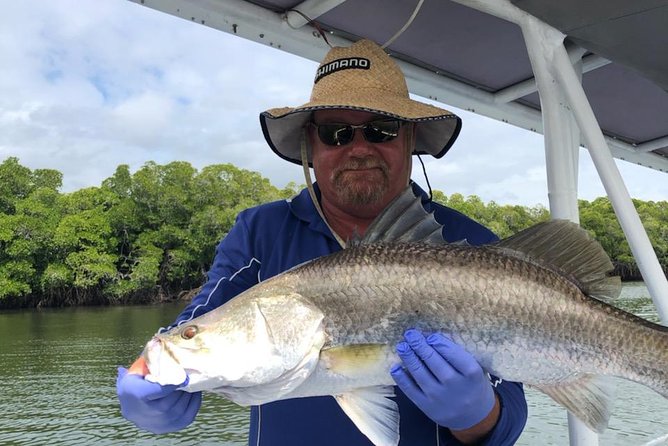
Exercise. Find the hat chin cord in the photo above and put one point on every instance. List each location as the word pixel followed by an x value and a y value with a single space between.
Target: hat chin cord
pixel 311 190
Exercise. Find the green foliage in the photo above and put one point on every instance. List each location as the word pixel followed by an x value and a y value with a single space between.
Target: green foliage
pixel 504 220
pixel 91 268
pixel 597 217
pixel 138 237
pixel 150 235
pixel 15 184
pixel 15 278
pixel 18 182
pixel 57 277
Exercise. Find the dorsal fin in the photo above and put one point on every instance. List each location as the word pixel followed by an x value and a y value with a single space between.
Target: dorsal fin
pixel 565 246
pixel 404 220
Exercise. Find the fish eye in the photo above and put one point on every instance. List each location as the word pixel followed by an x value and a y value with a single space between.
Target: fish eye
pixel 189 332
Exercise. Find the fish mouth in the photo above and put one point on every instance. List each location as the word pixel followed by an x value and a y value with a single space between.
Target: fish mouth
pixel 163 366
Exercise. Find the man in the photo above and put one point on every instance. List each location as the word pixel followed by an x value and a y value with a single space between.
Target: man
pixel 358 132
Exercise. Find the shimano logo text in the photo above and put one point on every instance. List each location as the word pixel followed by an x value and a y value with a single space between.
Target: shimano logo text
pixel 359 63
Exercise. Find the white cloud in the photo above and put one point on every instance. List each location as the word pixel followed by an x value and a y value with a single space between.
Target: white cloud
pixel 144 120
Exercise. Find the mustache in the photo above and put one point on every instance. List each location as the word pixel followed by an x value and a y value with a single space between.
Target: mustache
pixel 361 163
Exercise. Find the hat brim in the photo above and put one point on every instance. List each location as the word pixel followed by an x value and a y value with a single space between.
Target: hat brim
pixel 436 131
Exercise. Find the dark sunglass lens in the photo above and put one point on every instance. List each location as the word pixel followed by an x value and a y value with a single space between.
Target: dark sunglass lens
pixel 335 134
pixel 381 131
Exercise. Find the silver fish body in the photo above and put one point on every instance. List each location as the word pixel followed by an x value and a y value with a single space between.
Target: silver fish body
pixel 527 309
pixel 522 321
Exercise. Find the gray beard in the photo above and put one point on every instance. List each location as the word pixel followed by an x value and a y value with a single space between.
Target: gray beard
pixel 354 193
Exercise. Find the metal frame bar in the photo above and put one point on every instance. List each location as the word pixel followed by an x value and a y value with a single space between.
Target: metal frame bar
pixel 561 139
pixel 653 145
pixel 561 161
pixel 311 9
pixel 521 89
pixel 614 184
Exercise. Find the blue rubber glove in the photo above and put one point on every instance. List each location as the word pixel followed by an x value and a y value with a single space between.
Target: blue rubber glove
pixel 443 380
pixel 155 408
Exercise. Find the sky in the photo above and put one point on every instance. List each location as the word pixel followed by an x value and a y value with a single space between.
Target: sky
pixel 87 86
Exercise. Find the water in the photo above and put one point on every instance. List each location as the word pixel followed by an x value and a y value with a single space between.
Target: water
pixel 58 380
pixel 59 370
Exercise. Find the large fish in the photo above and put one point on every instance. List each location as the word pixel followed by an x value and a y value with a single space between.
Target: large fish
pixel 528 308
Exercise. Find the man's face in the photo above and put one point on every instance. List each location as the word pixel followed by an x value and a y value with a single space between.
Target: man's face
pixel 360 176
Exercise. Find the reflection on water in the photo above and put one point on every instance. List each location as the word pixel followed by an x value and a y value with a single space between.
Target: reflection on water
pixel 59 371
pixel 635 299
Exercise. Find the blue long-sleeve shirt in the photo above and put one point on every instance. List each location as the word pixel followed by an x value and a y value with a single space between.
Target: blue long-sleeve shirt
pixel 271 238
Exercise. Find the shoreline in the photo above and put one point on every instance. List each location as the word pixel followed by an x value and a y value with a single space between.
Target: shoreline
pixel 627 274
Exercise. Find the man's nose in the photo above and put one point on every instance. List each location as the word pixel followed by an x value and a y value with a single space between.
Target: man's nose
pixel 359 145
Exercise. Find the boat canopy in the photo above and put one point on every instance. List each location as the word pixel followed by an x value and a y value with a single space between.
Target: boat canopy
pixel 474 60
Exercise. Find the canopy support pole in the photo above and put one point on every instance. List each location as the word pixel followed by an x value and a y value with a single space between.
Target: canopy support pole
pixel 562 145
pixel 557 80
pixel 561 133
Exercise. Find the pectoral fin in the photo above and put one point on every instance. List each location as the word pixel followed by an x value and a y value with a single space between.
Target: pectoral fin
pixel 374 413
pixel 589 398
pixel 357 360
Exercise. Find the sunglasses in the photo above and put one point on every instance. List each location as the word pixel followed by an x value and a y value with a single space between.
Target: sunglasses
pixel 340 134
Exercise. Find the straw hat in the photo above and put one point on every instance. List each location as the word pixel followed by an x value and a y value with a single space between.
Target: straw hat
pixel 360 77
